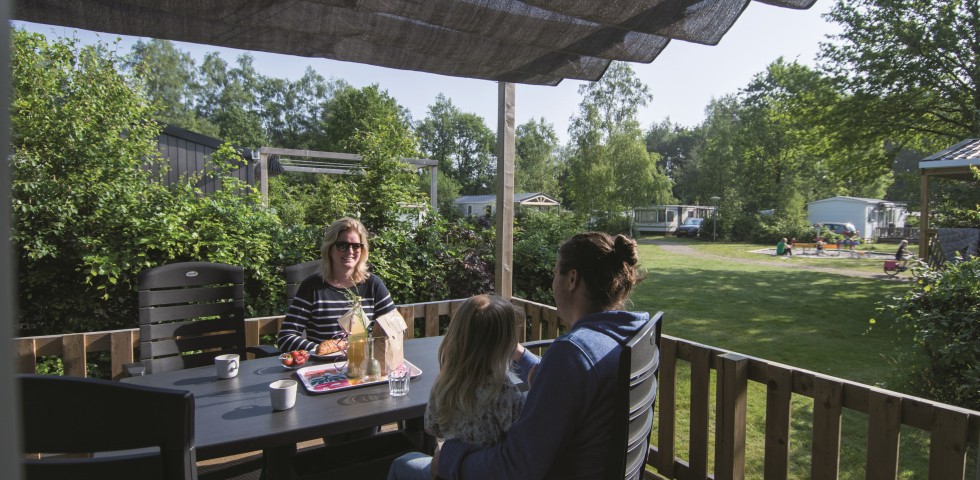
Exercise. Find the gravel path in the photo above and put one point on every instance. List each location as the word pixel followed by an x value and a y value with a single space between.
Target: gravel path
pixel 681 248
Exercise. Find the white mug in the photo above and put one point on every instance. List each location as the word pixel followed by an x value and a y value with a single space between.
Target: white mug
pixel 283 393
pixel 227 365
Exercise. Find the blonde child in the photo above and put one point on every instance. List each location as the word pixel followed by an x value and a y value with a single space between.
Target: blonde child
pixel 473 399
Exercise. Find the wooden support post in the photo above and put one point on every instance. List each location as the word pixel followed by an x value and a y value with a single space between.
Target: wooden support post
pixel 504 251
pixel 433 187
pixel 923 215
pixel 264 173
pixel 731 405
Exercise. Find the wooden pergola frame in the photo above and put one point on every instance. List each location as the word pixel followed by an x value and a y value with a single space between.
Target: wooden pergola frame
pixel 939 165
pixel 349 159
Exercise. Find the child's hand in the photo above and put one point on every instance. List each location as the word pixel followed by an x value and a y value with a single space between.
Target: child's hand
pixel 530 376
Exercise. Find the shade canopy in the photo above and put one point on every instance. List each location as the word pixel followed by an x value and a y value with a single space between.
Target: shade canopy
pixel 532 41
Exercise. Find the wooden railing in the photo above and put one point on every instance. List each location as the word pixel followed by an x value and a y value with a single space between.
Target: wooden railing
pixel 953 431
pixel 74 348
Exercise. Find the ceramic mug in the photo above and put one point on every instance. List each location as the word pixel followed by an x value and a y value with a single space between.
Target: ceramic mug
pixel 283 394
pixel 227 365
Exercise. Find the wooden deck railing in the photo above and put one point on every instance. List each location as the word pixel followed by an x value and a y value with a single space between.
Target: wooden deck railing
pixel 953 431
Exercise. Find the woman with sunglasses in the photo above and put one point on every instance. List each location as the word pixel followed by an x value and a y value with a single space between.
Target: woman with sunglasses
pixel 322 298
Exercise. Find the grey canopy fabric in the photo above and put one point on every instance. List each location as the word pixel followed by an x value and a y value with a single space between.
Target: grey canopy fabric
pixel 531 41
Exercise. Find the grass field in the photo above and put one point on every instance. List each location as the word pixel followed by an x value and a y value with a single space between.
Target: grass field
pixel 812 320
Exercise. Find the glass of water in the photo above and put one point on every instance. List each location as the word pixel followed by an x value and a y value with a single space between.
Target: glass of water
pixel 398 380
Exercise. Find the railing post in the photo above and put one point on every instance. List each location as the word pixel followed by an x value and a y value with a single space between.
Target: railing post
pixel 828 399
pixel 731 398
pixel 26 351
pixel 667 406
pixel 73 351
pixel 120 352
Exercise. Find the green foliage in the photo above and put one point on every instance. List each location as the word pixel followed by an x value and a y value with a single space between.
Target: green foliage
pixel 80 136
pixel 89 218
pixel 537 236
pixel 536 163
pixel 462 144
pixel 434 261
pixel 610 170
pixel 941 311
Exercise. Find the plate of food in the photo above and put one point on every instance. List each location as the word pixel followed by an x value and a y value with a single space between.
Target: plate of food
pixel 333 350
pixel 294 359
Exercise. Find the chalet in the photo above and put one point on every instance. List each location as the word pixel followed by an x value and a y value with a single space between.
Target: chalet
pixel 666 218
pixel 872 217
pixel 487 204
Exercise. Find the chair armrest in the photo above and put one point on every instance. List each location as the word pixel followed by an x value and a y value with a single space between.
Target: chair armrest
pixel 538 343
pixel 262 351
pixel 134 369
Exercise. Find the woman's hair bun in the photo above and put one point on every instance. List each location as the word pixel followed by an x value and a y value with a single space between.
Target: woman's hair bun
pixel 626 249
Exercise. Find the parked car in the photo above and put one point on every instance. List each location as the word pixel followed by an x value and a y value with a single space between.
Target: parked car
pixel 690 228
pixel 846 229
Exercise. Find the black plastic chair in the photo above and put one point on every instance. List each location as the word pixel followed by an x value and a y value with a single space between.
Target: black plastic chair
pixel 639 365
pixel 191 312
pixel 149 431
pixel 295 274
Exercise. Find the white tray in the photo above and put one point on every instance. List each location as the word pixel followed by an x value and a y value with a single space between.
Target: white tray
pixel 331 377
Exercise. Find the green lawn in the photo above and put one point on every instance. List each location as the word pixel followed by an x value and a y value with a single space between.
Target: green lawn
pixel 812 320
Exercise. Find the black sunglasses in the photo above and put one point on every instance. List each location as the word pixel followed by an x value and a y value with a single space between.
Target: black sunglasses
pixel 341 246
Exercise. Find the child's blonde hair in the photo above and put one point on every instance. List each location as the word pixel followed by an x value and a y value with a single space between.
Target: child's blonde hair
pixel 477 346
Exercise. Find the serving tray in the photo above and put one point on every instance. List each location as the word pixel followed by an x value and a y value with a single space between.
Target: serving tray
pixel 331 377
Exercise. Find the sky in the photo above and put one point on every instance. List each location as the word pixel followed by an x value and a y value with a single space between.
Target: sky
pixel 683 79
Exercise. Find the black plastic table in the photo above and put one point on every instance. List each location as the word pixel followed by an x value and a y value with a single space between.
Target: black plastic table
pixel 235 415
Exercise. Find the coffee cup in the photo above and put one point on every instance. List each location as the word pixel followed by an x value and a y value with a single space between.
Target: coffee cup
pixel 283 394
pixel 227 365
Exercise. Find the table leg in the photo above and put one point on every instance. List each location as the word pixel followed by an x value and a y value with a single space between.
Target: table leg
pixel 277 462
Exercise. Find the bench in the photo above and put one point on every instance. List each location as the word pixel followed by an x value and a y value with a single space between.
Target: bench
pixel 803 246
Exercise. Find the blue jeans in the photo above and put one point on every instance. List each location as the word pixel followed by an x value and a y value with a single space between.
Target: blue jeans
pixel 411 466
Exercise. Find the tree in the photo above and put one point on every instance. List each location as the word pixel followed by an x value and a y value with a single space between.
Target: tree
pixel 913 68
pixel 536 165
pixel 292 112
pixel 462 144
pixel 610 170
pixel 677 146
pixel 352 113
pixel 228 99
pixel 171 83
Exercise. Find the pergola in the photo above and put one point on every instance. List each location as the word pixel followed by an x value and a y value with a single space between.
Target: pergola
pixel 531 41
pixel 953 163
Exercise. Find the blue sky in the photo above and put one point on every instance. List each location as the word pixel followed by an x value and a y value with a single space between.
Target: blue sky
pixel 682 80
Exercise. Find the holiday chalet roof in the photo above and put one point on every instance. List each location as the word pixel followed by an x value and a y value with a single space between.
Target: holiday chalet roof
pixel 531 42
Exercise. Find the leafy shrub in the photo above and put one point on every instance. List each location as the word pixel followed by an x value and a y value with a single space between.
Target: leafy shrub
pixel 942 313
pixel 756 228
pixel 537 236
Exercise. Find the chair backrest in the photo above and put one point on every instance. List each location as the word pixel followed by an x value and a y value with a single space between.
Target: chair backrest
pixel 74 416
pixel 190 312
pixel 295 274
pixel 639 364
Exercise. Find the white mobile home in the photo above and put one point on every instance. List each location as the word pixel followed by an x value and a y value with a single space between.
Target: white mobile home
pixel 487 204
pixel 666 218
pixel 867 214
